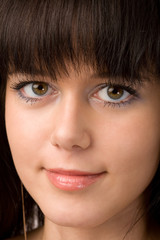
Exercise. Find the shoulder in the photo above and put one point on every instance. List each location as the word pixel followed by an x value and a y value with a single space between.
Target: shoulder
pixel 16 238
pixel 156 235
pixel 33 235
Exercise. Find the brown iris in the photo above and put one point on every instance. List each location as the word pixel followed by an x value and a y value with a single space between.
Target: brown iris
pixel 40 88
pixel 115 92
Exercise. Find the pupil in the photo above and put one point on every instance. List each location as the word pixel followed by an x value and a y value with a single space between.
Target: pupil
pixel 115 93
pixel 40 88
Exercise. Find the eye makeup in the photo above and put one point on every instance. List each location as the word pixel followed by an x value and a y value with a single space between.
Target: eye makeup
pixel 114 95
pixel 30 96
pixel 111 93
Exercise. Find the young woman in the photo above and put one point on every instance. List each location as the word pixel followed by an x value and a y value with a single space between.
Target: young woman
pixel 80 119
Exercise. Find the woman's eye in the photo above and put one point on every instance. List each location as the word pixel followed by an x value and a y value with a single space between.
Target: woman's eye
pixel 114 94
pixel 36 90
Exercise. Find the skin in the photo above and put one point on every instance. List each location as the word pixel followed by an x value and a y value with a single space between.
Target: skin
pixel 71 129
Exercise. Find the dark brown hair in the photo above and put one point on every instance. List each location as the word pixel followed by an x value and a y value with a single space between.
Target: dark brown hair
pixel 120 37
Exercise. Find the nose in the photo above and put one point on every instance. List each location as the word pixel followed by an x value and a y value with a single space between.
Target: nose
pixel 70 131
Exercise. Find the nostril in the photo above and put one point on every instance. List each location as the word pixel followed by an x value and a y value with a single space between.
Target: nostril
pixel 56 145
pixel 76 147
pixel 70 141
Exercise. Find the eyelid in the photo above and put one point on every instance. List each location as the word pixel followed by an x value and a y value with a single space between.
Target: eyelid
pixel 127 88
pixel 134 95
pixel 20 84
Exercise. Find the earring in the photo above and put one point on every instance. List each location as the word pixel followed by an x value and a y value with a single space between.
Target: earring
pixel 23 209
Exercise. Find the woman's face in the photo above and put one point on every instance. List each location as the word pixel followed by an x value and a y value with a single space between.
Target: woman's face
pixel 84 148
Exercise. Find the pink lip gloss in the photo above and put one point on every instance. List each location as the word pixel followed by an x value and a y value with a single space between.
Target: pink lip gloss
pixel 71 180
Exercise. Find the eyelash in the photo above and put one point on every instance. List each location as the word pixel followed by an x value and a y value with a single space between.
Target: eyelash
pixel 21 84
pixel 124 87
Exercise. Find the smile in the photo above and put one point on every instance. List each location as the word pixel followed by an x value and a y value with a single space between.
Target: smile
pixel 72 180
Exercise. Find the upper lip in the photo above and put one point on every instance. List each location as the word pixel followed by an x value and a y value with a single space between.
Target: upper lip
pixel 73 172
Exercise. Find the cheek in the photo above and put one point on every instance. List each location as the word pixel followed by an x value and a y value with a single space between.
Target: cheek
pixel 131 147
pixel 25 136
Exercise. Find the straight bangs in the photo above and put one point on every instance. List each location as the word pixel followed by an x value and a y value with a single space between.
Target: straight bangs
pixel 120 37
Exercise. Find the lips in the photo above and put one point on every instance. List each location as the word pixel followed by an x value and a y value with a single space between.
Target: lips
pixel 72 180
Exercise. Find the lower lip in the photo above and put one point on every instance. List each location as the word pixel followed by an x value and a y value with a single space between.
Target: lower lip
pixel 72 182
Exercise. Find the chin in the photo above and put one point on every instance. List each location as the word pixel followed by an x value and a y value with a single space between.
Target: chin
pixel 73 220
